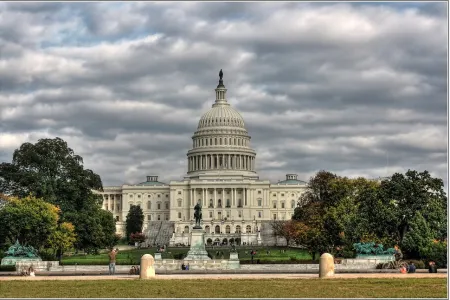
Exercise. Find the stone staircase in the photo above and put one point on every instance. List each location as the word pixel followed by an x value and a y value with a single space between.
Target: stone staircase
pixel 159 232
pixel 153 231
pixel 267 236
pixel 165 233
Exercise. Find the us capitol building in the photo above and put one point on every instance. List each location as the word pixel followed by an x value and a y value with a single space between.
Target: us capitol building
pixel 237 206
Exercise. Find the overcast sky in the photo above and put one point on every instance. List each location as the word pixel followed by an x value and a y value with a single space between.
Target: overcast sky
pixel 356 89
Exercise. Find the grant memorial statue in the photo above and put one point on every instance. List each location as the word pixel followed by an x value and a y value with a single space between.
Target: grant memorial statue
pixel 197 241
pixel 198 216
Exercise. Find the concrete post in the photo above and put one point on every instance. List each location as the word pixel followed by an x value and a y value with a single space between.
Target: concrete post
pixel 147 267
pixel 326 265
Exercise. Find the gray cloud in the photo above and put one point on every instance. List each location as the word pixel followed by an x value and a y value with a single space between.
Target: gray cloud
pixel 357 89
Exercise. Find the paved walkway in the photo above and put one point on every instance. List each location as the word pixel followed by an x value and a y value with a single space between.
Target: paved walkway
pixel 228 276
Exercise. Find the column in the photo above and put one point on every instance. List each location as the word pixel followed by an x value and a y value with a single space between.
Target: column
pixel 204 196
pixel 246 197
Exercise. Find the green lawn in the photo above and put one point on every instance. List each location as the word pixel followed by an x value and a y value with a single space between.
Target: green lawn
pixel 229 288
pixel 132 257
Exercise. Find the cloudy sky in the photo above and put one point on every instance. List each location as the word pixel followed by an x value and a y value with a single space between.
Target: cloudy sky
pixel 356 89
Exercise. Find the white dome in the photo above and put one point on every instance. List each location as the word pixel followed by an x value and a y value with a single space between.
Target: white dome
pixel 221 115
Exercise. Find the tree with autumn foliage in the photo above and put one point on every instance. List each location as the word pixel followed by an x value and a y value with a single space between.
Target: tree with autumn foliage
pixel 62 239
pixel 30 220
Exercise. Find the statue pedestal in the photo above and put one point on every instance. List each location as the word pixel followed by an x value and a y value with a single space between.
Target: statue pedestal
pixel 197 251
pixel 11 260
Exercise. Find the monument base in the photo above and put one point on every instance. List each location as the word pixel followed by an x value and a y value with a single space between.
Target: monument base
pixel 197 251
pixel 11 260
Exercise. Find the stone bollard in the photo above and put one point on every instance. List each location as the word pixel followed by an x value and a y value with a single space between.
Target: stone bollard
pixel 147 267
pixel 326 266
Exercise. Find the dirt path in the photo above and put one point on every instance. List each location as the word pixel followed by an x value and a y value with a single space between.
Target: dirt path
pixel 229 276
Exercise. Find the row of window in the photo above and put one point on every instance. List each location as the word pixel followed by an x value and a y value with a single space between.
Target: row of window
pixel 248 229
pixel 200 142
pixel 149 205
pixel 149 196
pixel 179 193
pixel 158 217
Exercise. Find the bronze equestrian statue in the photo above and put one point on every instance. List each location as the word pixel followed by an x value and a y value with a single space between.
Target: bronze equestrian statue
pixel 198 215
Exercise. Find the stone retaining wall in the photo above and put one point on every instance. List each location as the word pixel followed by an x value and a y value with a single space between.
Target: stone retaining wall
pixel 174 265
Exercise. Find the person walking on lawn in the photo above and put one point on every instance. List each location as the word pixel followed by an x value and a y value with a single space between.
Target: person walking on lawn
pixel 112 261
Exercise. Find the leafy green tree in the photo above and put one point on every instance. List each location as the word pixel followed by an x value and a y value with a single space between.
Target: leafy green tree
pixel 319 189
pixel 134 221
pixel 418 236
pixel 30 220
pixel 50 170
pixel 406 194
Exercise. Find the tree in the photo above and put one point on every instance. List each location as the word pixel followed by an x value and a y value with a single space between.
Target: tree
pixel 418 236
pixel 63 238
pixel 285 229
pixel 30 220
pixel 134 221
pixel 95 229
pixel 52 171
pixel 318 189
pixel 414 192
pixel 137 237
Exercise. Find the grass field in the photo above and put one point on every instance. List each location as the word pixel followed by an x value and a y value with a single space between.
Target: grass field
pixel 132 257
pixel 229 288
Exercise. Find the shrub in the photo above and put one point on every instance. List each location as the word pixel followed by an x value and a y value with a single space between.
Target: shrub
pixel 10 268
pixel 178 256
pixel 436 251
pixel 420 264
pixel 47 255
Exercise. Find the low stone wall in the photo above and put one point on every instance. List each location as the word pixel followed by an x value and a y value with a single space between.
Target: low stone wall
pixel 37 265
pixel 169 265
pixel 304 267
pixel 160 266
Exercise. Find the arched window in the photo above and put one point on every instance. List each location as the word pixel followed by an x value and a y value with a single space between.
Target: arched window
pixel 238 229
pixel 292 204
pixel 227 229
pixel 220 141
pixel 219 203
pixel 210 202
pixel 186 229
pixel 207 229
pixel 149 205
pixel 215 141
pixel 217 229
pixel 206 142
pixel 248 229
